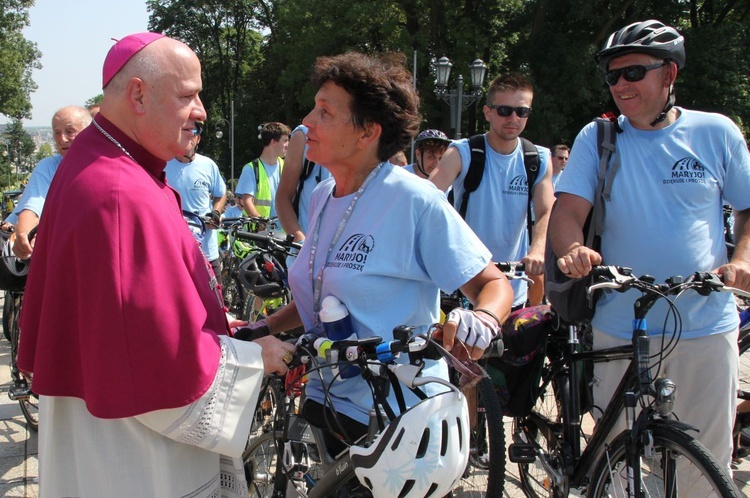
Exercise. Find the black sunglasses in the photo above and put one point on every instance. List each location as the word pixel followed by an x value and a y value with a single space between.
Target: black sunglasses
pixel 506 110
pixel 630 73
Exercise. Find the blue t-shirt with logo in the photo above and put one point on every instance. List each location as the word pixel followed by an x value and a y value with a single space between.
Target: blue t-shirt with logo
pixel 665 213
pixel 497 209
pixel 401 245
pixel 198 183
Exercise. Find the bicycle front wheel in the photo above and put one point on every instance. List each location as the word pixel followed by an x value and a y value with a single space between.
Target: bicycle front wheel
pixel 485 474
pixel 542 430
pixel 674 465
pixel 29 403
pixel 742 427
pixel 30 410
pixel 261 459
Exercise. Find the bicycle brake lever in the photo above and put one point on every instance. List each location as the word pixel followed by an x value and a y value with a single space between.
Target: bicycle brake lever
pixel 709 282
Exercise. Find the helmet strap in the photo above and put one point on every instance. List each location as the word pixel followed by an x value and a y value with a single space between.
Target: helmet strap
pixel 667 107
pixel 670 99
pixel 419 163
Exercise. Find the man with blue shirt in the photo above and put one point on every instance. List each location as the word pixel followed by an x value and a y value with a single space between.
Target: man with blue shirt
pixel 497 209
pixel 260 178
pixel 202 190
pixel 298 180
pixel 663 218
pixel 67 123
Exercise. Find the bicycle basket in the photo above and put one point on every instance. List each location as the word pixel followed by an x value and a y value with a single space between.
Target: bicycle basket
pixel 517 373
pixel 12 270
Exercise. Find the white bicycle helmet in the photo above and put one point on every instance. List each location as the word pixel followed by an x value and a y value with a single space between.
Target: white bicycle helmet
pixel 422 453
pixel 13 271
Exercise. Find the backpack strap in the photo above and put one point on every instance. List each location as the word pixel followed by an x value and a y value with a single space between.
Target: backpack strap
pixel 531 165
pixel 476 171
pixel 606 133
pixel 256 170
pixel 307 169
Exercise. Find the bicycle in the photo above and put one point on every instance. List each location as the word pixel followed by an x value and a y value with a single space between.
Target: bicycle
pixel 234 252
pixel 742 421
pixel 487 460
pixel 654 456
pixel 263 274
pixel 291 455
pixel 14 274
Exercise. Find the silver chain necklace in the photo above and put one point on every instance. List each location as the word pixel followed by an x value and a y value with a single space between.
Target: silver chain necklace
pixel 112 139
pixel 212 278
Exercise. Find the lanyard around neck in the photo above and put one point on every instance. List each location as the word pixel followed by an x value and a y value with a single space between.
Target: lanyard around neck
pixel 317 281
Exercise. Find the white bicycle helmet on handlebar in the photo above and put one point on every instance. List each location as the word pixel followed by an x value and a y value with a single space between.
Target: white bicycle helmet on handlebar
pixel 13 270
pixel 423 452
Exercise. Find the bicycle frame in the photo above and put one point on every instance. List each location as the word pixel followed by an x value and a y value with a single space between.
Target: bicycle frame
pixel 635 383
pixel 585 461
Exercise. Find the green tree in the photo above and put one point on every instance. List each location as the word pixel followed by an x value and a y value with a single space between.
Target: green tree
pixel 19 146
pixel 45 150
pixel 96 100
pixel 18 57
pixel 259 53
pixel 226 35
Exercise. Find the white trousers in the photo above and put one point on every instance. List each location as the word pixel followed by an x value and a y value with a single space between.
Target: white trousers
pixel 705 370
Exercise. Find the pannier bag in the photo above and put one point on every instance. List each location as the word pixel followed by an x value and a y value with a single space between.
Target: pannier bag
pixel 517 373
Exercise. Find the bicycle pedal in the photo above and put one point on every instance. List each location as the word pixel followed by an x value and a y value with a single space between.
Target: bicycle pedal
pixel 521 453
pixel 19 393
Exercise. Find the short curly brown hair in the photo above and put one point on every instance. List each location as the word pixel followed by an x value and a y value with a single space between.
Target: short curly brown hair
pixel 382 92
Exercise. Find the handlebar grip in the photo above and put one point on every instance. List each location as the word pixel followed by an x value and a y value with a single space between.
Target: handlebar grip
pixel 510 266
pixel 255 237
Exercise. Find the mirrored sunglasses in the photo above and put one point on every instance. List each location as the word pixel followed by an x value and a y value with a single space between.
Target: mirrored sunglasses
pixel 506 110
pixel 630 73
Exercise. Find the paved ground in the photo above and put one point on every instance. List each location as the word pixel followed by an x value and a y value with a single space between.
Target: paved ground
pixel 18 450
pixel 18 446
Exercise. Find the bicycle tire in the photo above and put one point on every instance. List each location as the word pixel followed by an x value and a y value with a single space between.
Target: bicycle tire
pixel 542 428
pixel 266 479
pixel 7 311
pixel 269 410
pixel 29 405
pixel 260 460
pixel 30 410
pixel 699 473
pixel 489 480
pixel 231 288
pixel 743 431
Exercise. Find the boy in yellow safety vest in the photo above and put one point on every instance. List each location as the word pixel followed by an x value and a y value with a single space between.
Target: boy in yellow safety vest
pixel 260 178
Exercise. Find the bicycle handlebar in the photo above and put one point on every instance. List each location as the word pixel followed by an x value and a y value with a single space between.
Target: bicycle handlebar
pixel 514 270
pixel 620 278
pixel 367 351
pixel 269 241
pixel 229 222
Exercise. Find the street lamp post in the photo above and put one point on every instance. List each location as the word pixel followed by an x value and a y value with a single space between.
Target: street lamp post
pixel 457 99
pixel 220 134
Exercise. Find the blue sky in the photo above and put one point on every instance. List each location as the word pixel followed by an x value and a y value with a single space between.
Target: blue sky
pixel 74 37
